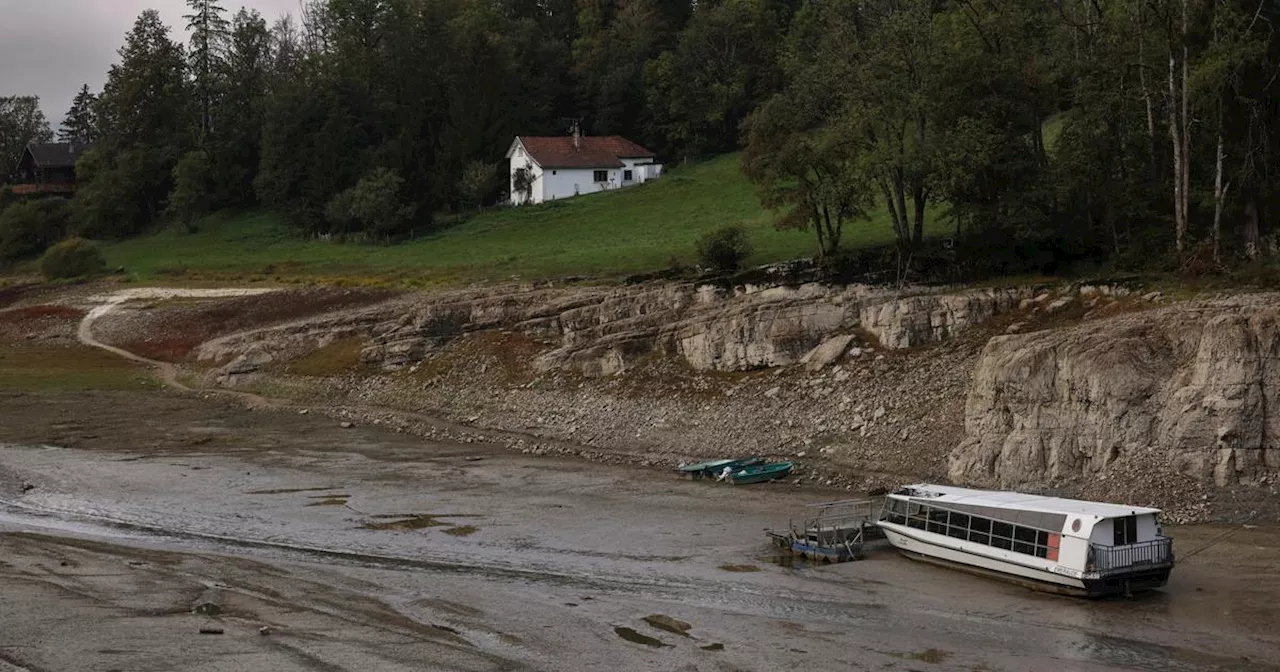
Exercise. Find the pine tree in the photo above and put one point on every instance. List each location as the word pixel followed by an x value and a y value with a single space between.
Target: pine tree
pixel 209 32
pixel 80 124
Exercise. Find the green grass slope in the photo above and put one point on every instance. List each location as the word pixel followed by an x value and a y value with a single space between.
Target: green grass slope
pixel 641 228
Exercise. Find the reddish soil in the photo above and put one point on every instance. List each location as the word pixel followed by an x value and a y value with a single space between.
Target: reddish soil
pixel 39 322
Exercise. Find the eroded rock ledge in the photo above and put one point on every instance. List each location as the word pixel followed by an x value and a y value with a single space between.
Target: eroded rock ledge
pixel 1194 387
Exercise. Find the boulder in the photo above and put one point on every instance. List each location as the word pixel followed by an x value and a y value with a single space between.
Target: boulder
pixel 828 352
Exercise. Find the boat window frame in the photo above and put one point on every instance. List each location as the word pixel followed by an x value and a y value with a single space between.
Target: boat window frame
pixel 1021 539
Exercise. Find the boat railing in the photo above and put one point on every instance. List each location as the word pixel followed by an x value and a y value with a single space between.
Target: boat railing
pixel 1105 559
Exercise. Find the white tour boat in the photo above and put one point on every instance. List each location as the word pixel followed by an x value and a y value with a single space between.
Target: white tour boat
pixel 1061 545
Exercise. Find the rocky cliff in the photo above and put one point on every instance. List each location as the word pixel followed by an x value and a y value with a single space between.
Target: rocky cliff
pixel 1193 387
pixel 603 331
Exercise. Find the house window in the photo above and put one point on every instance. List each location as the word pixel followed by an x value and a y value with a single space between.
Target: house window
pixel 601 176
pixel 555 172
pixel 626 176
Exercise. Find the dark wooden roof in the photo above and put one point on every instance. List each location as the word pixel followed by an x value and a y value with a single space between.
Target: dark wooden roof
pixel 589 152
pixel 56 154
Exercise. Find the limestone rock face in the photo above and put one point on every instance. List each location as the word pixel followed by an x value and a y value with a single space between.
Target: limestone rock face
pixel 929 318
pixel 599 331
pixel 1195 387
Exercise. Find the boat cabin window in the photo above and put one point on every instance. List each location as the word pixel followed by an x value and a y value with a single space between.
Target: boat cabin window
pixel 1125 530
pixel 976 529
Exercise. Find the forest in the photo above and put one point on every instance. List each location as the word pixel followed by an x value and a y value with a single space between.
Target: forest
pixel 1142 134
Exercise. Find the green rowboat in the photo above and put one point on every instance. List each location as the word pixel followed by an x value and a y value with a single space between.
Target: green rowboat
pixel 716 467
pixel 760 473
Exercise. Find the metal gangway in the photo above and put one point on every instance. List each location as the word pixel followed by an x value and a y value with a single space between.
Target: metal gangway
pixel 831 531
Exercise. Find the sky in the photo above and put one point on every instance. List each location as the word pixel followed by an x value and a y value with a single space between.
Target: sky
pixel 49 48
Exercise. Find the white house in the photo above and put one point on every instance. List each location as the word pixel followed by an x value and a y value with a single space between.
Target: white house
pixel 550 168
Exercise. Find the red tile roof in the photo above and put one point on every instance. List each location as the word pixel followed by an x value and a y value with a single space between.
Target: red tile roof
pixel 591 152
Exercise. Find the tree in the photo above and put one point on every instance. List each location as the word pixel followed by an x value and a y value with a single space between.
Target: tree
pixel 209 32
pixel 804 170
pixel 724 63
pixel 80 125
pixel 21 123
pixel 192 196
pixel 477 183
pixel 144 127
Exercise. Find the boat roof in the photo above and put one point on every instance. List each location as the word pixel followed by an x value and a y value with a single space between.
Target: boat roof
pixel 1003 499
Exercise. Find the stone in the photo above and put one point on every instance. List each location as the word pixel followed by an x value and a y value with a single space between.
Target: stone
pixel 1015 327
pixel 1058 304
pixel 827 352
pixel 346 425
pixel 304 412
pixel 1184 388
pixel 879 413
pixel 773 392
pixel 921 320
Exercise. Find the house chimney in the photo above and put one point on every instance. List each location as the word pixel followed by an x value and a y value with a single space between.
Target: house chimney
pixel 577 136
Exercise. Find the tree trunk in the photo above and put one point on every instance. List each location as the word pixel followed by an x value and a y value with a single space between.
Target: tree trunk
pixel 900 203
pixel 1219 193
pixel 1186 135
pixel 919 198
pixel 1142 80
pixel 1179 224
pixel 1252 240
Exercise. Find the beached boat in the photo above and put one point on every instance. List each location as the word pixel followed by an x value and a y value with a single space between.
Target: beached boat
pixel 717 467
pixel 760 473
pixel 1049 543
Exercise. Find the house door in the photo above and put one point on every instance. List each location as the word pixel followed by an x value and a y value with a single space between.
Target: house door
pixel 1125 530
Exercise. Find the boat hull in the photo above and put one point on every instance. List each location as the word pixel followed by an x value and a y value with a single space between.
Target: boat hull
pixel 918 547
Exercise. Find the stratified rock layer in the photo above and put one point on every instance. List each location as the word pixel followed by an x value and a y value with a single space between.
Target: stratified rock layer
pixel 1192 387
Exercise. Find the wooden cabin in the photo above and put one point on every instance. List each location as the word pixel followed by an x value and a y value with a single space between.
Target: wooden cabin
pixel 49 168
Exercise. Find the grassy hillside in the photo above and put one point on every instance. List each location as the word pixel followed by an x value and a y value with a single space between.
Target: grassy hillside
pixel 633 230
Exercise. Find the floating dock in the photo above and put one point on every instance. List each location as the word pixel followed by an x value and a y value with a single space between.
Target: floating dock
pixel 831 531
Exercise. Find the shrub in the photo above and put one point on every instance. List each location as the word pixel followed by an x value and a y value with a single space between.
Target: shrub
pixel 29 227
pixel 724 249
pixel 72 258
pixel 373 206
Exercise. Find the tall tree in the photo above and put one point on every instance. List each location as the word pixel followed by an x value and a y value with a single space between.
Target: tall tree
pixel 80 125
pixel 144 117
pixel 21 122
pixel 209 32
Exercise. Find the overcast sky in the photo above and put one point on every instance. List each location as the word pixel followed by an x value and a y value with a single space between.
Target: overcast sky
pixel 49 48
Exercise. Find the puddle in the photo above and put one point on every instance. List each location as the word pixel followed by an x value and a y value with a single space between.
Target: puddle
pixel 672 625
pixel 407 522
pixel 934 656
pixel 788 560
pixel 639 638
pixel 740 568
pixel 330 500
pixel 285 491
pixel 462 530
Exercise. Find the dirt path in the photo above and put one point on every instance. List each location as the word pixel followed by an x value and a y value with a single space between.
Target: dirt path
pixel 168 373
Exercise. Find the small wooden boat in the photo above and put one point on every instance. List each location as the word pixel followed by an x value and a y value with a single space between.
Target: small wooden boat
pixel 760 473
pixel 717 467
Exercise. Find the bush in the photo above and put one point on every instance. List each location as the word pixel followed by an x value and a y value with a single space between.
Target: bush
pixel 29 227
pixel 373 206
pixel 724 249
pixel 72 258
